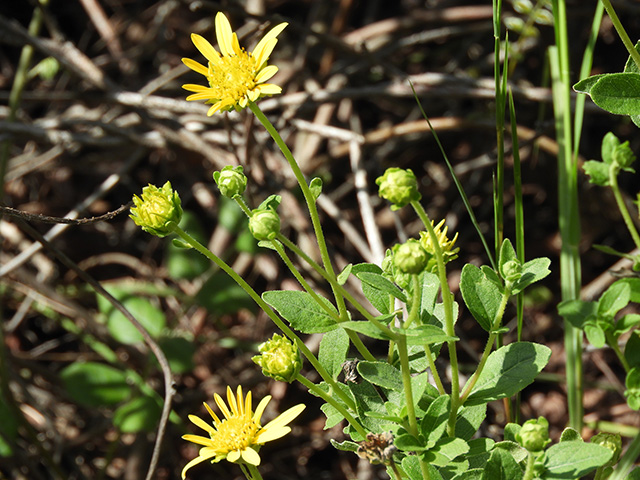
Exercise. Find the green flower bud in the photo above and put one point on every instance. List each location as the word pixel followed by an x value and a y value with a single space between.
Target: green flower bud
pixel 512 271
pixel 398 186
pixel 231 181
pixel 158 211
pixel 264 224
pixel 613 442
pixel 279 359
pixel 410 257
pixel 534 434
pixel 623 156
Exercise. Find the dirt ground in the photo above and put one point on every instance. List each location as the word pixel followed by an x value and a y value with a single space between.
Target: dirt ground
pixel 113 119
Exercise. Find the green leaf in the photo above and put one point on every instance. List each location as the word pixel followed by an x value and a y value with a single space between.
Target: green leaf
pixel 334 417
pixel 508 370
pixel 378 298
pixel 120 328
pixel 532 271
pixel 569 435
pixel 585 86
pixel 632 382
pixel 614 298
pixel 333 351
pixel 315 186
pixel 344 275
pixel 430 288
pixel 434 422
pixel 301 310
pixel 411 466
pixel 472 474
pixel 140 414
pixel 424 335
pixel 634 475
pixel 632 350
pixel 368 400
pixel 595 334
pixel 507 254
pixel 481 296
pixel 345 446
pixel 514 449
pixel 179 352
pixel 383 284
pixel 578 312
pixel 408 443
pixel 618 93
pixel 446 450
pixel 381 374
pixel 574 459
pixel 366 328
pixel 221 295
pixel 502 466
pixel 95 384
pixel 470 417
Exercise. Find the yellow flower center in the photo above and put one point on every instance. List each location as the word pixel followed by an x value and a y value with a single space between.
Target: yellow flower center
pixel 235 434
pixel 234 77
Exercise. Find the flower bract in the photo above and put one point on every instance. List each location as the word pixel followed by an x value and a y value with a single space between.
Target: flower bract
pixel 235 76
pixel 238 436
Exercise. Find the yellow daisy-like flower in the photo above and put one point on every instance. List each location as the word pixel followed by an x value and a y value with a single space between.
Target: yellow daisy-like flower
pixel 239 435
pixel 447 246
pixel 235 76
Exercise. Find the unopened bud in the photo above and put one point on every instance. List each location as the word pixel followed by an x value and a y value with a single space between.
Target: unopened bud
pixel 231 181
pixel 279 359
pixel 398 186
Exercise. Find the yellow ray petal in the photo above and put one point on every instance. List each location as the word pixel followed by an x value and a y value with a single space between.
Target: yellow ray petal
pixel 266 73
pixel 271 433
pixel 250 456
pixel 195 66
pixel 198 439
pixel 202 424
pixel 221 405
pixel 205 48
pixel 192 87
pixel 224 34
pixel 212 413
pixel 231 401
pixel 285 417
pixel 269 89
pixel 265 46
pixel 233 456
pixel 260 409
pixel 199 459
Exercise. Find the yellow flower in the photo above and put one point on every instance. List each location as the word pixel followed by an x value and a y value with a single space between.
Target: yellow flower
pixel 235 76
pixel 239 435
pixel 447 246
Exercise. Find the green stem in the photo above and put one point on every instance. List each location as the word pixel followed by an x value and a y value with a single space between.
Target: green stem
pixel 308 196
pixel 622 33
pixel 497 321
pixel 447 300
pixel 529 471
pixel 268 310
pixel 425 470
pixel 613 181
pixel 318 392
pixel 401 342
pixel 613 343
pixel 254 472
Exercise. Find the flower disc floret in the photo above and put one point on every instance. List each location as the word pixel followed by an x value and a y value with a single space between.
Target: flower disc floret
pixel 235 76
pixel 398 186
pixel 449 250
pixel 158 211
pixel 238 436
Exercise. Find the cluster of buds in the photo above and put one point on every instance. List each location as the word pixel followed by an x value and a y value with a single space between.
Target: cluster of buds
pixel 279 359
pixel 158 211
